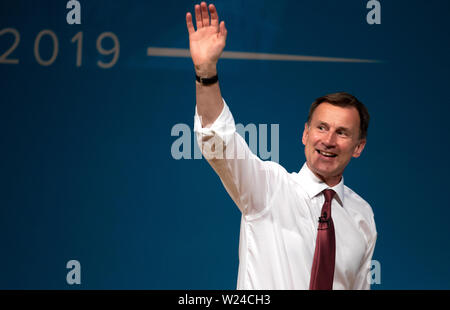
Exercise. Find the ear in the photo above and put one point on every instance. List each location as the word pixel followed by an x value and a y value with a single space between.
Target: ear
pixel 305 134
pixel 359 148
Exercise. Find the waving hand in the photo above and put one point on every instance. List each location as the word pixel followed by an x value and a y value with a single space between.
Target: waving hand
pixel 207 43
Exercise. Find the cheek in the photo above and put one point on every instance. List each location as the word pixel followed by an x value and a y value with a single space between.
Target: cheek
pixel 348 149
pixel 312 139
pixel 310 145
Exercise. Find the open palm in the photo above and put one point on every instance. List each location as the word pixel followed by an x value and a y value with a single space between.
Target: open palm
pixel 207 43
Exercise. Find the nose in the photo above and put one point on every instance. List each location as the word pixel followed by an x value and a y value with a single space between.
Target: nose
pixel 329 140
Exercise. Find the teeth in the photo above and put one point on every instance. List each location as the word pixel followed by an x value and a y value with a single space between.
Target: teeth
pixel 326 154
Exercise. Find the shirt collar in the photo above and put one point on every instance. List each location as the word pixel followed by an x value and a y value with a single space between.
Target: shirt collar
pixel 314 186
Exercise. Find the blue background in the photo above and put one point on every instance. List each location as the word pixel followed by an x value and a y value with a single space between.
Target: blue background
pixel 86 170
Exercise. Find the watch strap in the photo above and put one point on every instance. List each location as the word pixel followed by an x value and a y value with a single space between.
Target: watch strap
pixel 207 81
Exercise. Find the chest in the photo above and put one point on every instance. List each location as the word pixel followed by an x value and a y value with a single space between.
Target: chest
pixel 298 214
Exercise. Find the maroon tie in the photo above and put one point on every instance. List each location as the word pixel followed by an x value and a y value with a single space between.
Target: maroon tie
pixel 322 271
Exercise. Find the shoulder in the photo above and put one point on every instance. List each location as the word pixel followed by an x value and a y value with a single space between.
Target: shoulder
pixel 277 174
pixel 353 200
pixel 279 179
pixel 361 212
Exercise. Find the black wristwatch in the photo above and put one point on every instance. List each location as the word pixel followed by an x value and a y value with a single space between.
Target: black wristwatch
pixel 207 81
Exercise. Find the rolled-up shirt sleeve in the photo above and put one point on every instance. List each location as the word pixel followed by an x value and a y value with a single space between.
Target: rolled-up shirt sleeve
pixel 243 174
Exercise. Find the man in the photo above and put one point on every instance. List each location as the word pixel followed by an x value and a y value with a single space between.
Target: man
pixel 298 230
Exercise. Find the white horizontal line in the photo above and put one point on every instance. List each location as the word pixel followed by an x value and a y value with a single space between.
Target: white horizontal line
pixel 180 52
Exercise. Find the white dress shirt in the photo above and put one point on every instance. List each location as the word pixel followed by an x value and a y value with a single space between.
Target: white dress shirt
pixel 280 212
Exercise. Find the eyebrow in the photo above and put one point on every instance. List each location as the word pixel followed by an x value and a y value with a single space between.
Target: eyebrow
pixel 339 128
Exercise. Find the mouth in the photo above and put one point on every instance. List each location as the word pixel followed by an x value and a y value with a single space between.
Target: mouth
pixel 326 154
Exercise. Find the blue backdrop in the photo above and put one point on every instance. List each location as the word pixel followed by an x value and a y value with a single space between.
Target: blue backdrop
pixel 86 169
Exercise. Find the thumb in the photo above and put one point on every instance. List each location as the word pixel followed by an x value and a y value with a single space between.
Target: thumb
pixel 222 30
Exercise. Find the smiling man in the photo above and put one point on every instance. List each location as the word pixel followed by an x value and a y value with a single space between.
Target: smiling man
pixel 335 132
pixel 304 230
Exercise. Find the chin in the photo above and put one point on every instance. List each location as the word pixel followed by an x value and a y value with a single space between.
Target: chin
pixel 324 171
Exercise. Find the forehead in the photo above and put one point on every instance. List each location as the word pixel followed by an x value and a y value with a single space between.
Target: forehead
pixel 336 116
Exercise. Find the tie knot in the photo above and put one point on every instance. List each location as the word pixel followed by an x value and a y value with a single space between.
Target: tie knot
pixel 329 194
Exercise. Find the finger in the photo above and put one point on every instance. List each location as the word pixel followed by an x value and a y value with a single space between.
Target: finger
pixel 214 16
pixel 205 14
pixel 198 17
pixel 189 24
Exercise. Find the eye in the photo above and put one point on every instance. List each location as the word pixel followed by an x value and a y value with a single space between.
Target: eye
pixel 342 133
pixel 321 127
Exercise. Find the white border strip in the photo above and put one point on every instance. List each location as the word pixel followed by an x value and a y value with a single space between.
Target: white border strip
pixel 180 52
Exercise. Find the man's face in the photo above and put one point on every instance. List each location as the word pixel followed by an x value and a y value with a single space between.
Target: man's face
pixel 332 139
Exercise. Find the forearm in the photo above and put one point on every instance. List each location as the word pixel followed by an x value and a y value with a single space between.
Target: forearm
pixel 208 97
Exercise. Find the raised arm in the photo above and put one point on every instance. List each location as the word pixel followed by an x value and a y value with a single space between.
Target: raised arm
pixel 206 45
pixel 247 179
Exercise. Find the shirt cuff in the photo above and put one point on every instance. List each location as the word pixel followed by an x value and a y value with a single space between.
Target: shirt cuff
pixel 223 125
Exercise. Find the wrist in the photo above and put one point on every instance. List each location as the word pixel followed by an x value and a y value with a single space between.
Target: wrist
pixel 206 70
pixel 207 81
